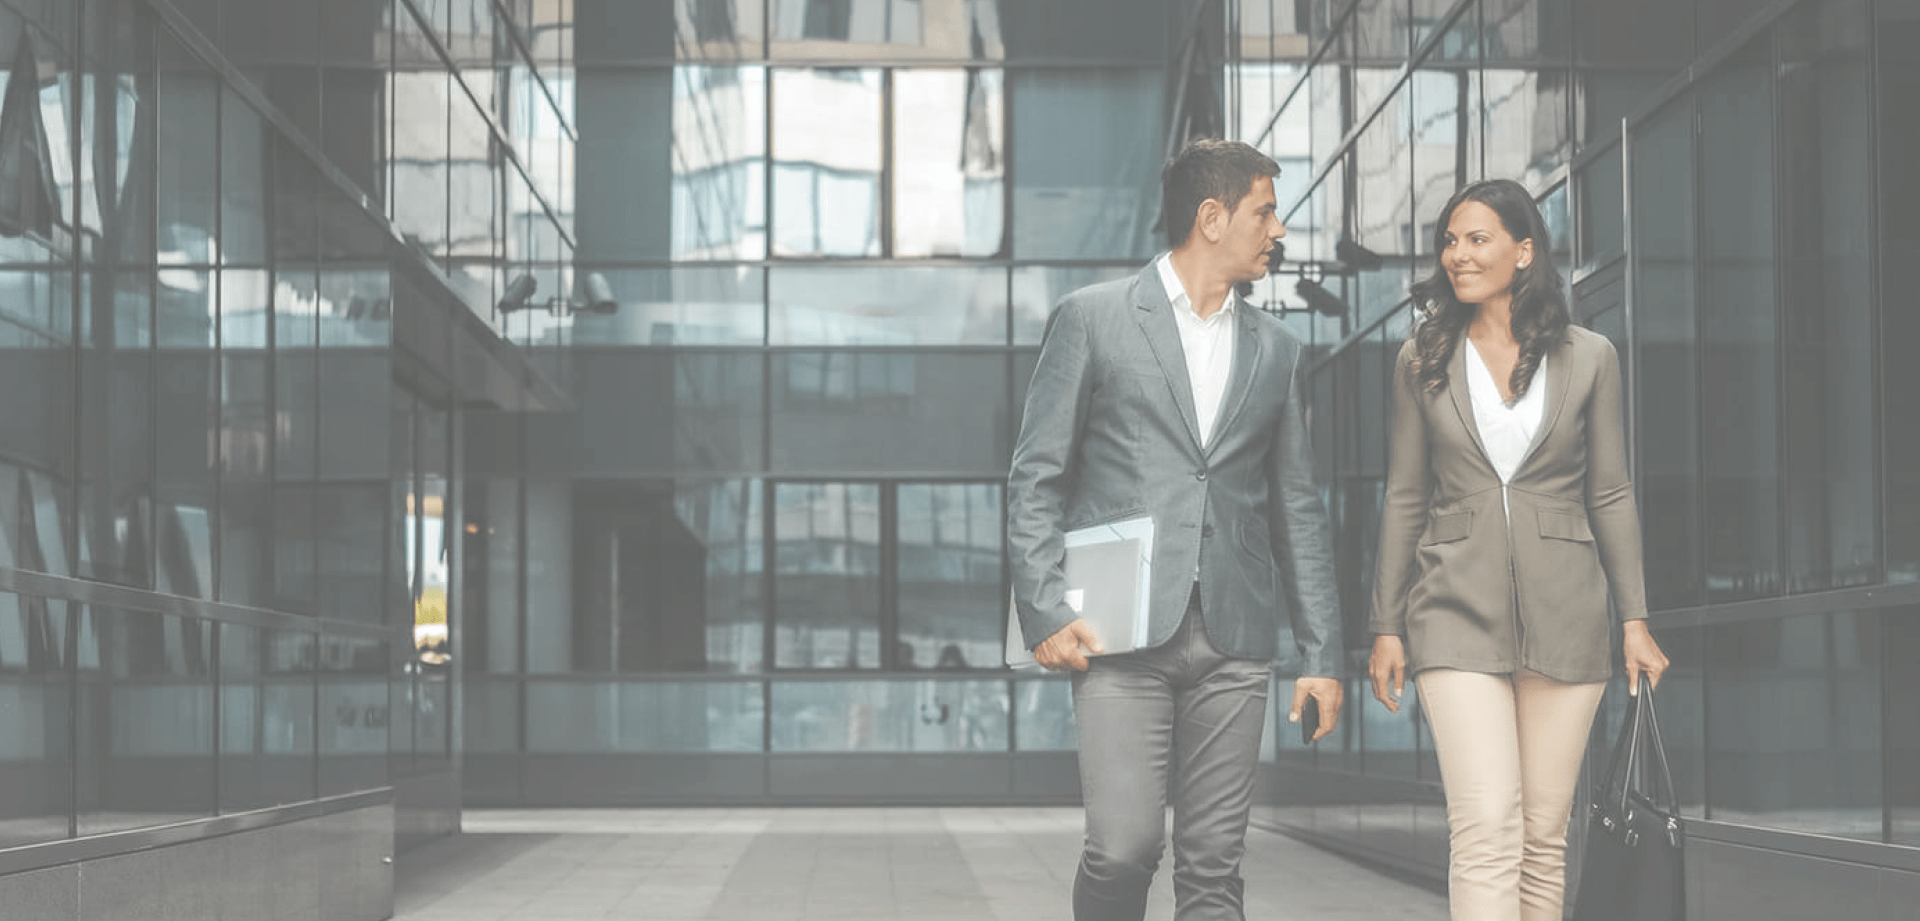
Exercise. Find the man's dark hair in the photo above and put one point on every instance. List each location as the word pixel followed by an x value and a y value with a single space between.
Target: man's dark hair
pixel 1207 168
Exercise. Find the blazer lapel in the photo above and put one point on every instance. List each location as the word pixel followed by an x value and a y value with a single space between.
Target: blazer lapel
pixel 1559 375
pixel 1155 314
pixel 1246 357
pixel 1458 390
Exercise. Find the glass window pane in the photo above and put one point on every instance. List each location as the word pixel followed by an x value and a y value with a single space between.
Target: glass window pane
pixel 145 720
pixel 473 175
pixel 719 203
pixel 187 195
pixel 1528 110
pixel 678 585
pixel 355 378
pixel 116 510
pixel 678 307
pixel 719 29
pixel 885 306
pixel 419 88
pixel 826 162
pixel 1626 50
pixel 1044 718
pixel 709 415
pixel 889 716
pixel 1085 162
pixel 891 412
pixel 1832 505
pixel 827 576
pixel 36 699
pixel 354 715
pixel 490 722
pixel 1378 251
pixel 1440 111
pixel 245 156
pixel 951 595
pixel 245 455
pixel 1903 724
pixel 606 717
pixel 1037 289
pixel 1107 30
pixel 1665 346
pixel 490 620
pixel 942 118
pixel 1795 707
pixel 1898 199
pixel 885 29
pixel 266 717
pixel 1739 330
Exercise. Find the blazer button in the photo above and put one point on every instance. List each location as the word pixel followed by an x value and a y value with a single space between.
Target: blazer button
pixel 1200 474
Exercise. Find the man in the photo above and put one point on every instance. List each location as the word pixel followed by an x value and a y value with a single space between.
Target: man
pixel 1165 395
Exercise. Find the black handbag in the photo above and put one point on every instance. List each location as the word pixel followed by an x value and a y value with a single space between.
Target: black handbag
pixel 1632 868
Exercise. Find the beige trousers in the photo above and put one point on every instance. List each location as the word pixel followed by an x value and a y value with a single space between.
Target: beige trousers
pixel 1510 748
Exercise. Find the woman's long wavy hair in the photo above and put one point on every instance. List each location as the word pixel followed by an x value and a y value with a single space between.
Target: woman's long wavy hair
pixel 1540 315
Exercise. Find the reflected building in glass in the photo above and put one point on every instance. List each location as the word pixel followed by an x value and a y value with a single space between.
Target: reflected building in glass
pixel 428 404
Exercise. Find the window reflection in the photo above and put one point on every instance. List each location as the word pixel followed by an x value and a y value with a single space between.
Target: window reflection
pixel 940 118
pixel 266 717
pixel 654 716
pixel 888 411
pixel 419 91
pixel 949 559
pixel 827 575
pixel 921 716
pixel 1043 719
pixel 1903 724
pixel 680 306
pixel 146 707
pixel 719 162
pixel 1665 350
pixel 1037 289
pixel 1739 330
pixel 950 29
pixel 887 306
pixel 719 29
pixel 36 686
pixel 1795 708
pixel 826 162
pixel 1081 190
pixel 357 716
pixel 679 586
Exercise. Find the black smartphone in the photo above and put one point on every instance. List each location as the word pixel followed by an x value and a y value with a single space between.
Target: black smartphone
pixel 1309 720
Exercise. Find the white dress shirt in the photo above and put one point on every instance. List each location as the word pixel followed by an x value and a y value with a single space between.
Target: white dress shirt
pixel 1208 345
pixel 1506 431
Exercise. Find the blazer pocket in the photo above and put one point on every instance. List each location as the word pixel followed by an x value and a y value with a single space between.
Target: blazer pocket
pixel 1561 525
pixel 1449 527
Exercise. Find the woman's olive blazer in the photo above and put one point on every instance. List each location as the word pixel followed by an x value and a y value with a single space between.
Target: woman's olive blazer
pixel 1466 589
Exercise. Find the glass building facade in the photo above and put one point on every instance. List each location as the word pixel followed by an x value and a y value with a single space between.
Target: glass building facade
pixel 428 403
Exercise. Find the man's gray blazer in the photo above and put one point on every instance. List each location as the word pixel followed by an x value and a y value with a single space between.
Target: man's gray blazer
pixel 1110 432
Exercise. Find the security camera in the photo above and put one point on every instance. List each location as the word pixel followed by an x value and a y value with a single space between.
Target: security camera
pixel 517 294
pixel 599 294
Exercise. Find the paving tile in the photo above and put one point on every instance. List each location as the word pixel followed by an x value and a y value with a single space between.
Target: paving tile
pixel 853 864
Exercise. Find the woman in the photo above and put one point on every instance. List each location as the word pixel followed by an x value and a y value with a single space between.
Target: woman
pixel 1509 518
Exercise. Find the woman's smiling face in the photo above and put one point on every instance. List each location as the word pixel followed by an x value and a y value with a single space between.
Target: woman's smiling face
pixel 1479 255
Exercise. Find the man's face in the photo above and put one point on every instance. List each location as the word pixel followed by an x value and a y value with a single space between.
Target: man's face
pixel 1252 230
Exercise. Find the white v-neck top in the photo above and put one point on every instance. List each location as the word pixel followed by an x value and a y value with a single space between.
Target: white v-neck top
pixel 1506 431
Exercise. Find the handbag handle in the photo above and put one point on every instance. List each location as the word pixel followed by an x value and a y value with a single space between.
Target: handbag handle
pixel 1629 761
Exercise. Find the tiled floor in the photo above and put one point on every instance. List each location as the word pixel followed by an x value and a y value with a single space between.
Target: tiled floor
pixel 831 865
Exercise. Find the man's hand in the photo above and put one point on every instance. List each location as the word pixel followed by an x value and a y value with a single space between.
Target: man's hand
pixel 1063 649
pixel 1387 667
pixel 1327 692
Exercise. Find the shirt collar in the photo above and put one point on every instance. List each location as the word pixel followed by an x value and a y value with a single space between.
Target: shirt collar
pixel 1177 293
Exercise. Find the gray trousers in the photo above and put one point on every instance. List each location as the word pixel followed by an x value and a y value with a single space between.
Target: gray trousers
pixel 1179 722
